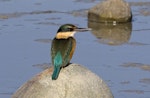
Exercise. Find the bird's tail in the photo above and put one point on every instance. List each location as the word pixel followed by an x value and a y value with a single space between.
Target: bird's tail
pixel 55 73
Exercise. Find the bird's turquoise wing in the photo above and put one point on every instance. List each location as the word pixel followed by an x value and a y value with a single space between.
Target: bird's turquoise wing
pixel 62 50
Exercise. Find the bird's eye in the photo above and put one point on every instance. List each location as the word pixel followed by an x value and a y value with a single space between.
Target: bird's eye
pixel 70 29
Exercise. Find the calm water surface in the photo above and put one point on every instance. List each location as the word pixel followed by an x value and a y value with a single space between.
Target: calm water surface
pixel 28 26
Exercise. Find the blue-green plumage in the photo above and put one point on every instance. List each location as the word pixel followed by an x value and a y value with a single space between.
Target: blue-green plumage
pixel 63 46
pixel 61 53
pixel 57 65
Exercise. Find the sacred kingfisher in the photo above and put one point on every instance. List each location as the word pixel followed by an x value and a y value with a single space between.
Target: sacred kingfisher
pixel 63 46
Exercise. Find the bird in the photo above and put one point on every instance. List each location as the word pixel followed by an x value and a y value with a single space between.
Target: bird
pixel 63 46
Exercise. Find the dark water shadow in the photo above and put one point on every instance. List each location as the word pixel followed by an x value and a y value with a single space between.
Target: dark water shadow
pixel 19 14
pixel 43 66
pixel 43 40
pixel 145 67
pixel 6 93
pixel 134 91
pixel 76 13
pixel 111 34
pixel 145 81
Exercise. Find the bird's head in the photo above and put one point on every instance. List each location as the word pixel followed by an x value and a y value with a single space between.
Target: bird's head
pixel 68 30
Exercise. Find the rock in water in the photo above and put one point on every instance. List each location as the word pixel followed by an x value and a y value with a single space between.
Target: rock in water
pixel 111 11
pixel 74 81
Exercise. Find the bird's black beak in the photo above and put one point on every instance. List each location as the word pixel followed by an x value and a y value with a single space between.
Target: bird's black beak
pixel 83 29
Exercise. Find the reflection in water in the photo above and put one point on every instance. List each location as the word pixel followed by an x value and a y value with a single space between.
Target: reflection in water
pixel 145 81
pixel 42 66
pixel 44 40
pixel 145 67
pixel 111 34
pixel 19 14
pixel 135 91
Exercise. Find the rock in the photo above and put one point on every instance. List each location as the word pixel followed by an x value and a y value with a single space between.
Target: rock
pixel 115 11
pixel 74 81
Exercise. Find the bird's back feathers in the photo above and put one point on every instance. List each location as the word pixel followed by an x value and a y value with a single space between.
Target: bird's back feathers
pixel 61 53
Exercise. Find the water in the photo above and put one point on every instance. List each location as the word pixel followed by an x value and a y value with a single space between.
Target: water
pixel 28 26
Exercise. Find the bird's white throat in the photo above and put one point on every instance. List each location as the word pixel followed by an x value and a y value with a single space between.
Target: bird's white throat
pixel 65 35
